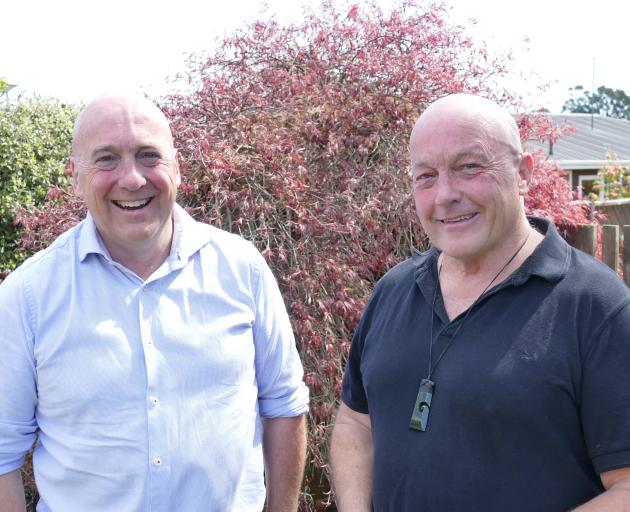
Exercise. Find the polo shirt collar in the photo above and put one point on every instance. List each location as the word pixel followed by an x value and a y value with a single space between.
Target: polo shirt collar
pixel 550 260
pixel 426 271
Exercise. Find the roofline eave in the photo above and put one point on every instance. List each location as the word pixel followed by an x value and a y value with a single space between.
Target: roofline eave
pixel 578 165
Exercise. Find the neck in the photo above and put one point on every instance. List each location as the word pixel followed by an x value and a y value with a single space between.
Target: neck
pixel 143 258
pixel 491 261
pixel 463 281
pixel 142 263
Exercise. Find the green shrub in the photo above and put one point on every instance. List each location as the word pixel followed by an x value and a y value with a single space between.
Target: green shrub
pixel 35 137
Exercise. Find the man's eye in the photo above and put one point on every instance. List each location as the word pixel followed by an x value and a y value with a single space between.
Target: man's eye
pixel 423 179
pixel 149 158
pixel 471 167
pixel 106 162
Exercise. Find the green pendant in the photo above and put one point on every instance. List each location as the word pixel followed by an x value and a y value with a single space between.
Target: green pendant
pixel 422 407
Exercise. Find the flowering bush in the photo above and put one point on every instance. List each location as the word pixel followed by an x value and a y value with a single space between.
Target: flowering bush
pixel 296 138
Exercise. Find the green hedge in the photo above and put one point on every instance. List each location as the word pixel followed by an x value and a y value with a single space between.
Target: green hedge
pixel 35 138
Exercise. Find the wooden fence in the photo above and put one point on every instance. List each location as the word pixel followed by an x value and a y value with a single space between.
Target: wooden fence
pixel 617 211
pixel 585 239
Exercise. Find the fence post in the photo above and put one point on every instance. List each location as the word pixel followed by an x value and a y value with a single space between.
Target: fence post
pixel 626 255
pixel 585 238
pixel 610 246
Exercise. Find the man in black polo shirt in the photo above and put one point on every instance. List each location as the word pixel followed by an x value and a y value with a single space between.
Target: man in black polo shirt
pixel 492 372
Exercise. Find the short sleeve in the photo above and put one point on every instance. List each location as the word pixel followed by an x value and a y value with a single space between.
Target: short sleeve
pixel 17 375
pixel 353 391
pixel 605 405
pixel 279 373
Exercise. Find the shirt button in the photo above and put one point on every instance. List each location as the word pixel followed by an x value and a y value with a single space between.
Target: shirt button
pixel 155 400
pixel 157 461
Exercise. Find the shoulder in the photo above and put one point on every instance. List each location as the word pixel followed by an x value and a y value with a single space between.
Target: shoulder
pixel 407 273
pixel 231 260
pixel 210 240
pixel 47 263
pixel 574 274
pixel 236 245
pixel 44 275
pixel 577 286
pixel 399 286
pixel 400 276
pixel 591 279
pixel 231 248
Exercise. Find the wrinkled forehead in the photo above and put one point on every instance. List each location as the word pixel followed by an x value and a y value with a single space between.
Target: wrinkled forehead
pixel 465 131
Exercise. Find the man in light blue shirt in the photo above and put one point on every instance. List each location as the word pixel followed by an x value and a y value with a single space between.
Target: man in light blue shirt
pixel 150 355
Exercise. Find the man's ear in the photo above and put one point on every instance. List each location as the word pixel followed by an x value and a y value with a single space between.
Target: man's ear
pixel 525 169
pixel 71 168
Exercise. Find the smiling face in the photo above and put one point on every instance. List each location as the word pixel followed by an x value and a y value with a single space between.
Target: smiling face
pixel 468 172
pixel 124 166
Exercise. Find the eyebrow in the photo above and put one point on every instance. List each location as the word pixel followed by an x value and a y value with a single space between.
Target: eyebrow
pixel 100 149
pixel 473 151
pixel 111 147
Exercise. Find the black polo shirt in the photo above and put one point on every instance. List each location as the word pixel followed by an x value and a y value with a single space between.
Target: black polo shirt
pixel 531 400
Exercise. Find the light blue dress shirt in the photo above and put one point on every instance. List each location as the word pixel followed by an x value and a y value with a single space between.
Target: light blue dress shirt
pixel 146 395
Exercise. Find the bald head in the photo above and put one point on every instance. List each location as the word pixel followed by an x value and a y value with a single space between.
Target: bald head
pixel 120 108
pixel 479 113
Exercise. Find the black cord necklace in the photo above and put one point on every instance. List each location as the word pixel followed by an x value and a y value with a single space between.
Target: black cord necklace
pixel 422 407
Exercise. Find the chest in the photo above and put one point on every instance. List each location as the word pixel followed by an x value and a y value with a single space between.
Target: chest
pixel 505 412
pixel 167 335
pixel 510 357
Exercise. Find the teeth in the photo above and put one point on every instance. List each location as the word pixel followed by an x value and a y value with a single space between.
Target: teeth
pixel 458 219
pixel 133 204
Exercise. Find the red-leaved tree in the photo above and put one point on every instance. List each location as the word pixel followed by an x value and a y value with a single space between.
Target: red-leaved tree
pixel 296 137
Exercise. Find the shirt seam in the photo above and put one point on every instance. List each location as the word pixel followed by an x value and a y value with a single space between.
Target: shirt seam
pixel 30 304
pixel 257 273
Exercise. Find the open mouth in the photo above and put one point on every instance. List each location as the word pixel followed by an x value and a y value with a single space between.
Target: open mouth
pixel 455 220
pixel 132 205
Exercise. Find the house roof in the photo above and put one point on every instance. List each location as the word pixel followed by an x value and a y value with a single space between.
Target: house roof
pixel 595 136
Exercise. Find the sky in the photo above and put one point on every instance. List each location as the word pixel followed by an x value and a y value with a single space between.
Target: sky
pixel 75 49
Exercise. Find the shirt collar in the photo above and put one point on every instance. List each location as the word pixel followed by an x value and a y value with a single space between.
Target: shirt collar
pixel 188 237
pixel 550 260
pixel 426 271
pixel 90 242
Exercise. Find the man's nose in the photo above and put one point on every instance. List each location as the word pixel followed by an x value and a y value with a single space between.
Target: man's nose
pixel 131 174
pixel 447 189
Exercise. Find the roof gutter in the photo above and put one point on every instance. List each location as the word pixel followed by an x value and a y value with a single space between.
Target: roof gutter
pixel 578 165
